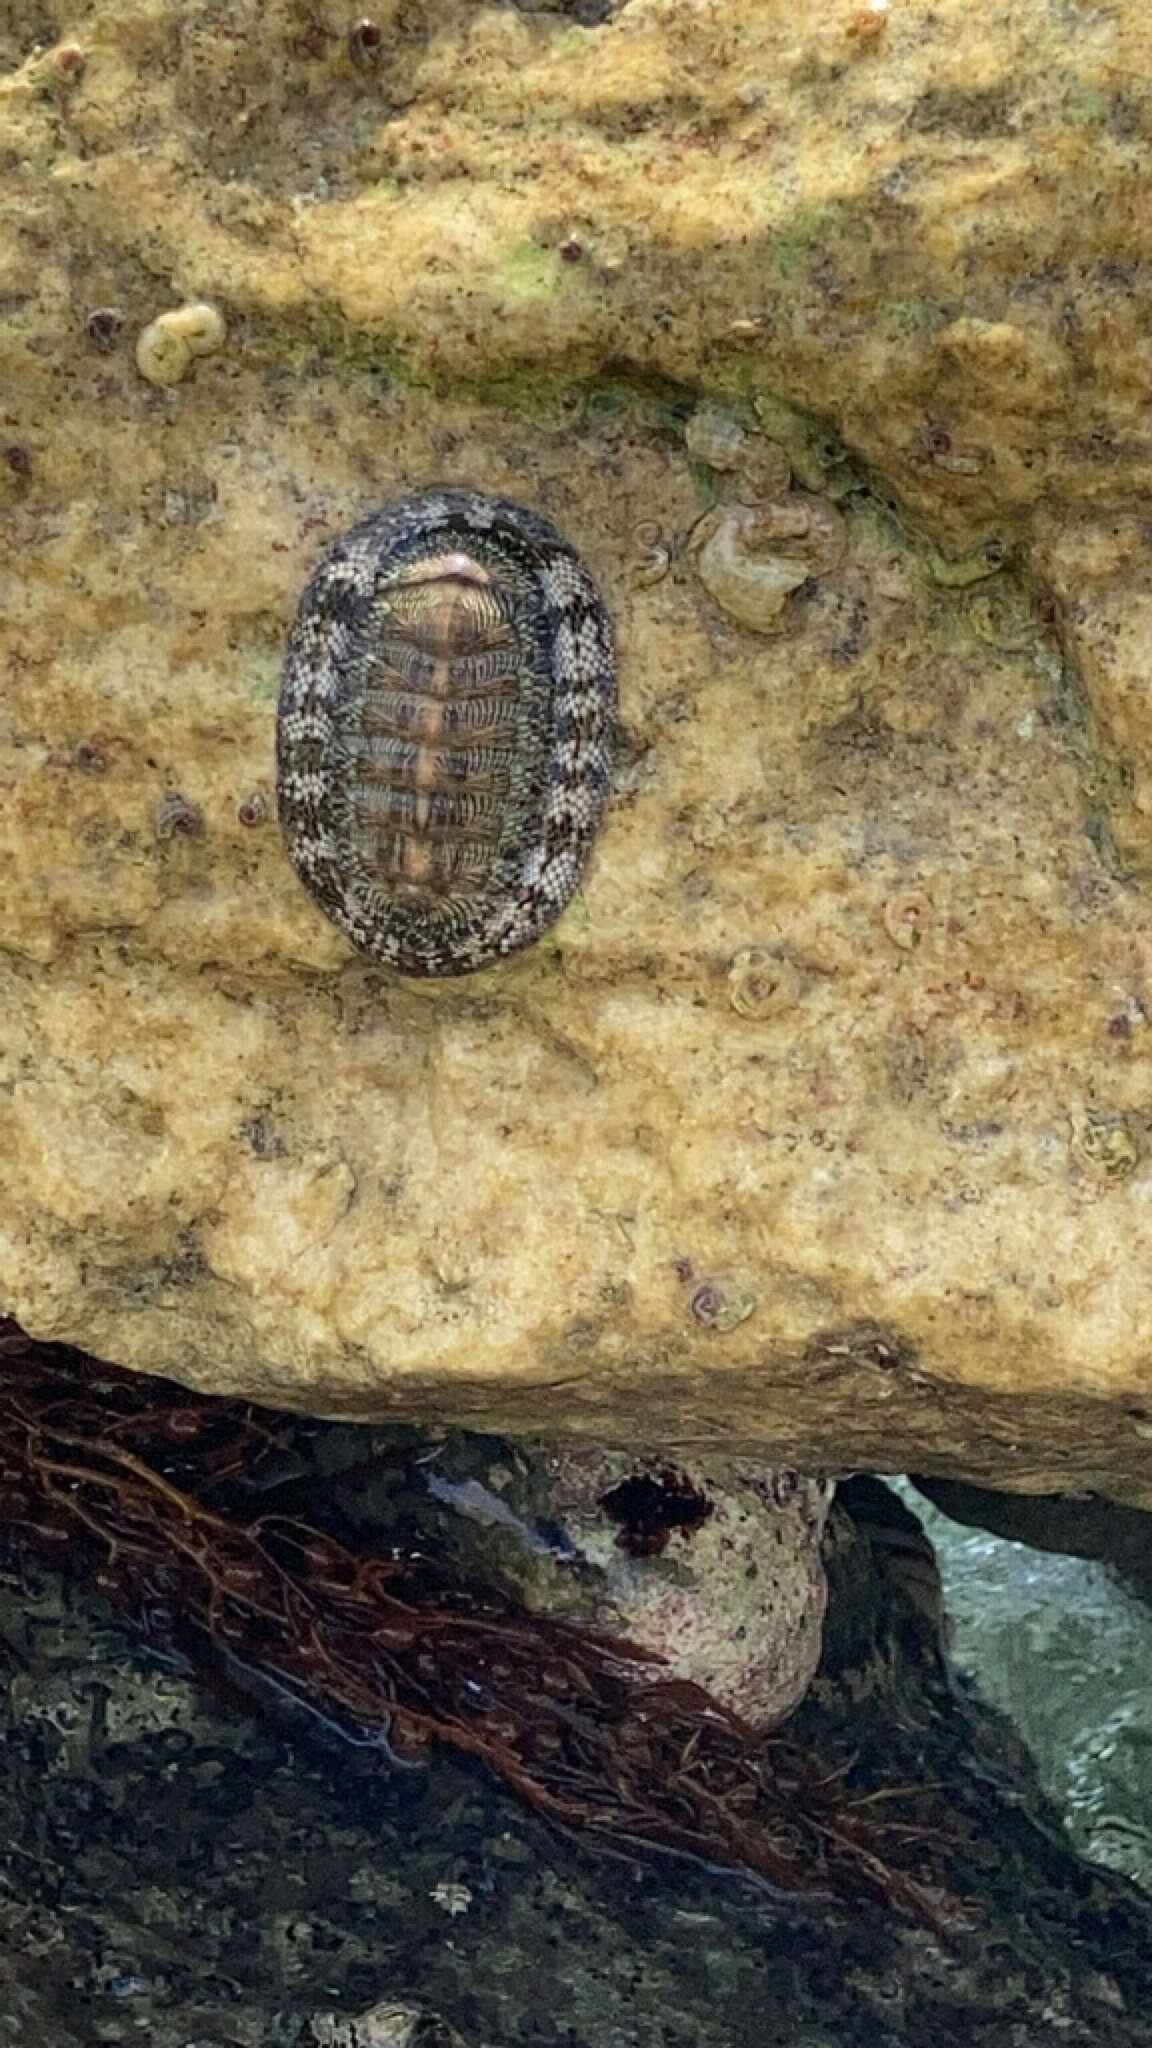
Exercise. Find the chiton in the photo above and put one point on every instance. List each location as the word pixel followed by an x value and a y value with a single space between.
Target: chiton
pixel 446 725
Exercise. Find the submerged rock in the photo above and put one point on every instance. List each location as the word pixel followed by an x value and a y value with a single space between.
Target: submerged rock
pixel 710 1562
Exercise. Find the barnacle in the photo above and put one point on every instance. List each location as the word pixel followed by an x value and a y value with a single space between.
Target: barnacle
pixel 760 981
pixel 750 558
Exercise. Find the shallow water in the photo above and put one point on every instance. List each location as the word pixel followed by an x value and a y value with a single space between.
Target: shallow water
pixel 1065 1650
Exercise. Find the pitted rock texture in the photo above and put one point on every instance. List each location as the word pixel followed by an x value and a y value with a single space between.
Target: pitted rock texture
pixel 715 1567
pixel 820 1121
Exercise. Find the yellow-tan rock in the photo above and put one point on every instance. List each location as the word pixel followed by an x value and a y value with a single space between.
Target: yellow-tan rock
pixel 848 1025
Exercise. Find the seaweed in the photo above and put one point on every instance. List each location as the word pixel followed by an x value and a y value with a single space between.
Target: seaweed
pixel 155 1498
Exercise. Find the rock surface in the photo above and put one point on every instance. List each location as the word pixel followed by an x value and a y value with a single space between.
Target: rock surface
pixel 715 1567
pixel 821 1122
pixel 198 1877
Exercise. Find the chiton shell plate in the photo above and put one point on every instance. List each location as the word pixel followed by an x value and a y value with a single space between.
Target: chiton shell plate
pixel 446 726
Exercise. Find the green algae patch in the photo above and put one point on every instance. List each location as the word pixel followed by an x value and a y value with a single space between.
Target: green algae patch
pixel 528 271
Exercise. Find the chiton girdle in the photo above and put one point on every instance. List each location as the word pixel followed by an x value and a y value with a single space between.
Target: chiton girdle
pixel 445 734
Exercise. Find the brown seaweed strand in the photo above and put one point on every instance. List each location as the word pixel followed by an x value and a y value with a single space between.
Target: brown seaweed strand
pixel 587 1730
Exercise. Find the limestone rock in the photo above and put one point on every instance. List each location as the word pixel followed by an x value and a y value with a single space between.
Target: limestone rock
pixel 849 1022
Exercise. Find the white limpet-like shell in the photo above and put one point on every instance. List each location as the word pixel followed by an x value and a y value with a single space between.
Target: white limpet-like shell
pixel 750 558
pixel 751 589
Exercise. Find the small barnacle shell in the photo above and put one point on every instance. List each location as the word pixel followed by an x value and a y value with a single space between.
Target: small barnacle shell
pixel 254 809
pixel 365 41
pixel 759 982
pixel 1106 1144
pixel 722 1304
pixel 176 815
pixel 750 558
pixel 751 588
pixel 765 472
pixel 68 61
pixel 387 2025
pixel 167 345
pixel 103 325
pixel 716 438
pixel 869 21
pixel 1003 614
pixel 956 572
pixel 761 467
pixel 906 917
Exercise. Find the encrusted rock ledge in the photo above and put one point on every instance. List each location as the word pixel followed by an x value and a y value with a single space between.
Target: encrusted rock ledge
pixel 821 1122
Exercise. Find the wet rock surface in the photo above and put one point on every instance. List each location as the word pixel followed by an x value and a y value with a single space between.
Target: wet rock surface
pixel 172 1867
pixel 1063 1644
